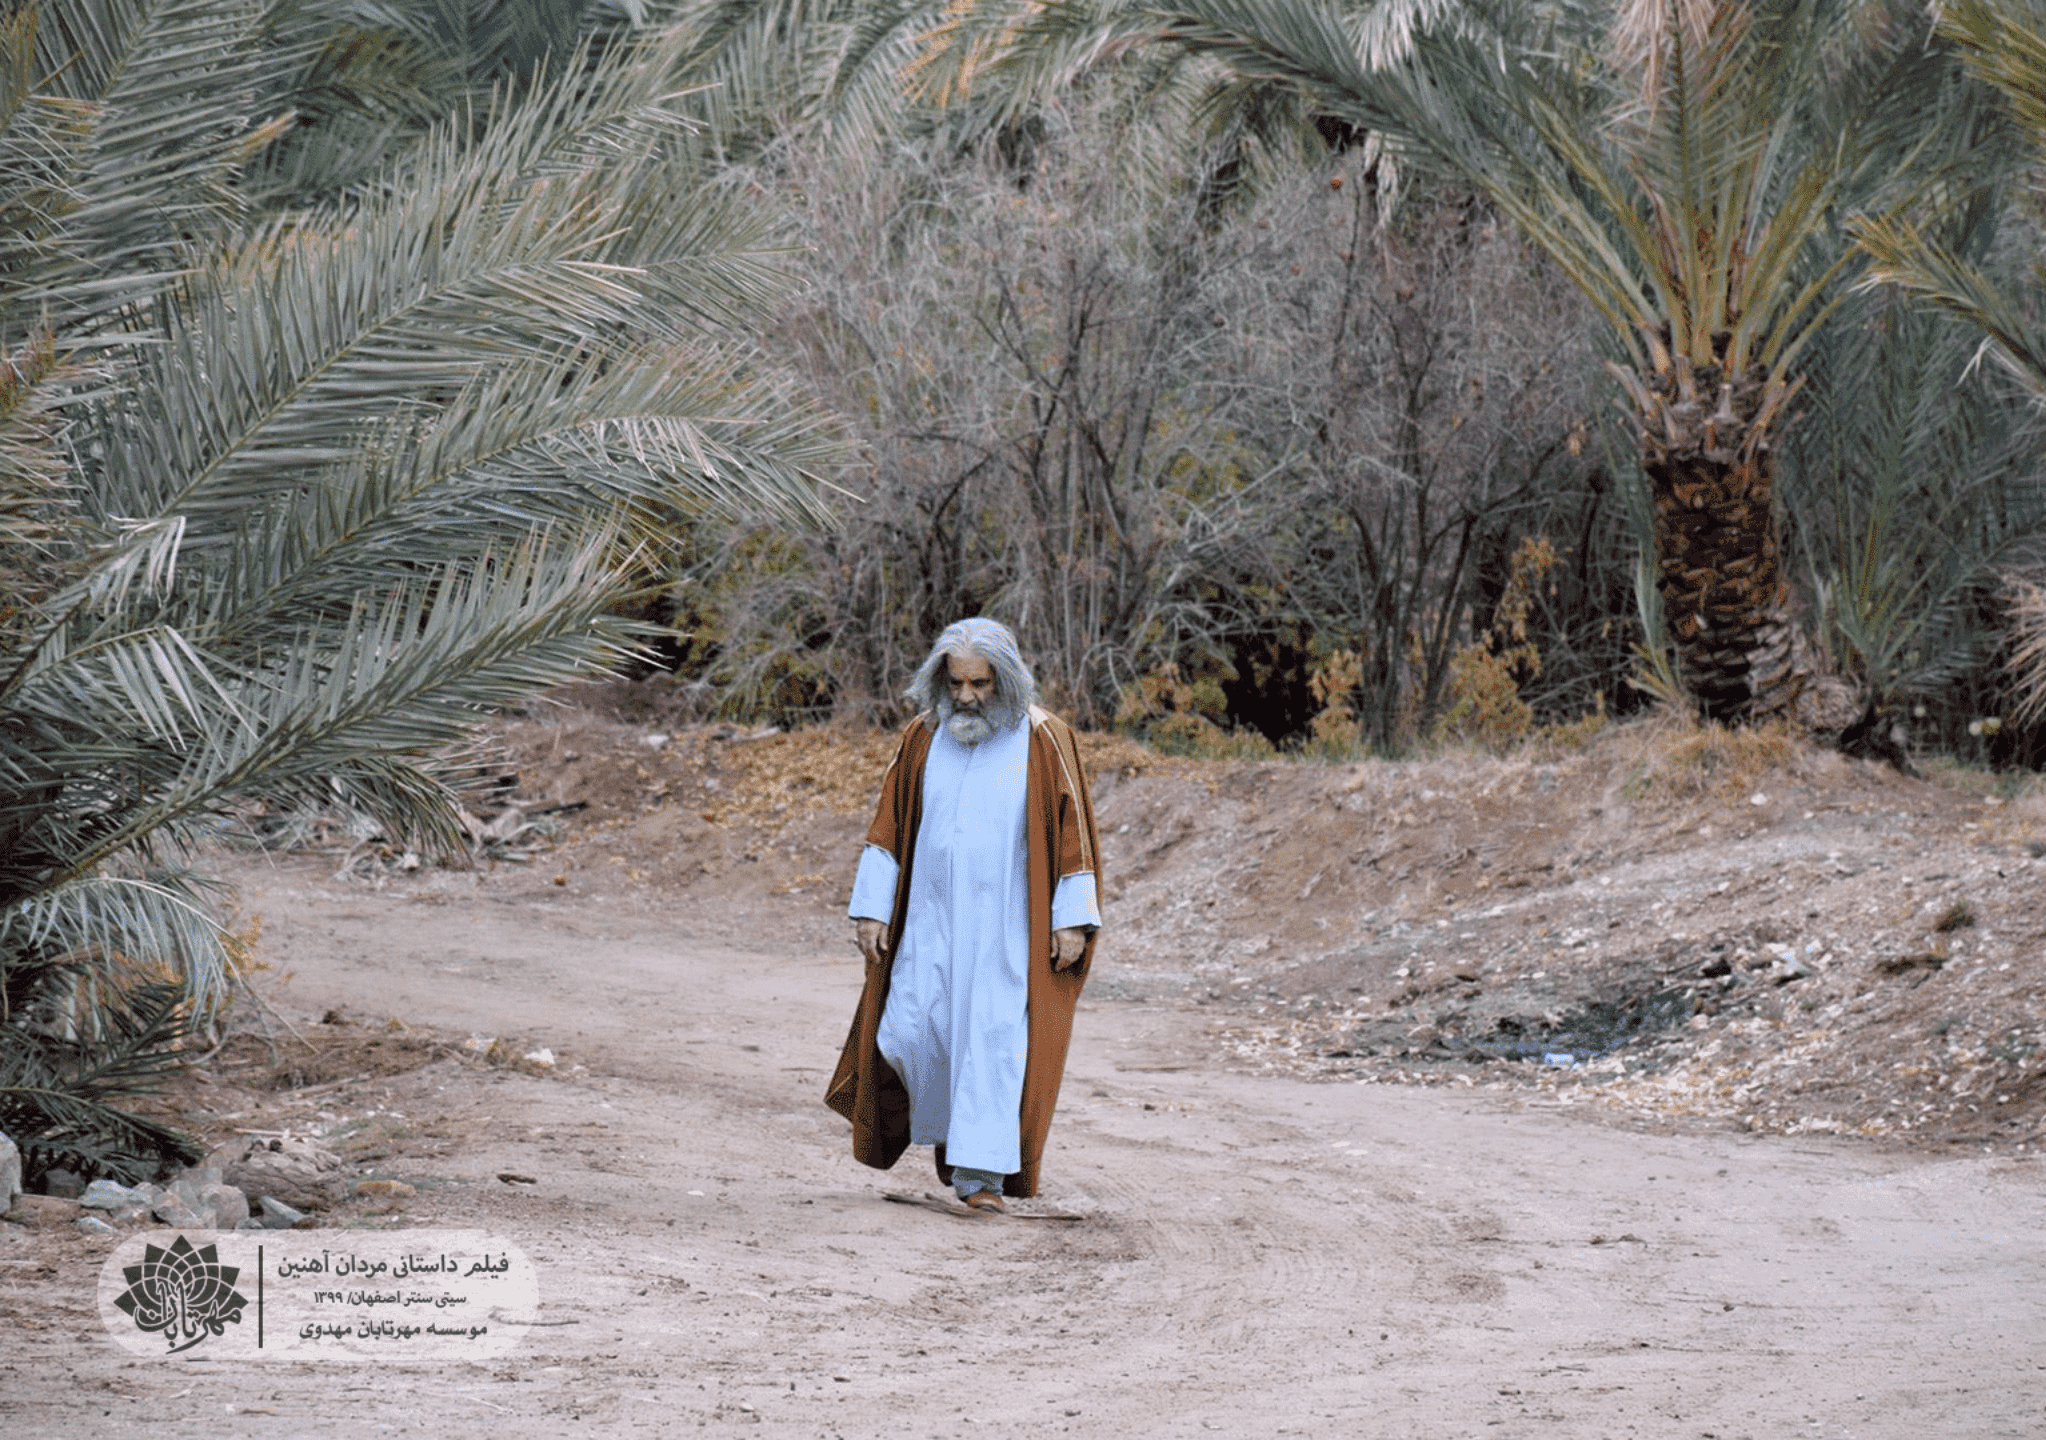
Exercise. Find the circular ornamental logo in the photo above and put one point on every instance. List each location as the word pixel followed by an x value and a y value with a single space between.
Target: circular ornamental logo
pixel 184 1294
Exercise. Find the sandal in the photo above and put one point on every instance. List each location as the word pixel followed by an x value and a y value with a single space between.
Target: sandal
pixel 986 1202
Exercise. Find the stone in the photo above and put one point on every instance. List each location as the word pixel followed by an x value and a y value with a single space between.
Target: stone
pixel 93 1225
pixel 507 826
pixel 140 1206
pixel 227 1205
pixel 44 1212
pixel 274 1214
pixel 180 1208
pixel 1422 1036
pixel 108 1195
pixel 194 1203
pixel 302 1173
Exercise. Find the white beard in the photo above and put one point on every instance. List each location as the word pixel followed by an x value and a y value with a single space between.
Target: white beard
pixel 968 727
pixel 975 726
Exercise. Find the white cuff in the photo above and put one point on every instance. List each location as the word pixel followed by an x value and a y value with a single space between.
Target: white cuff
pixel 1074 904
pixel 873 895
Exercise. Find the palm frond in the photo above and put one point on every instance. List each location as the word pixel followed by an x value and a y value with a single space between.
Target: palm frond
pixel 2028 657
pixel 1922 267
pixel 64 1103
pixel 1910 478
pixel 1021 51
pixel 150 99
pixel 96 928
pixel 404 672
pixel 1692 187
pixel 277 353
pixel 763 66
pixel 35 494
pixel 340 481
pixel 2004 46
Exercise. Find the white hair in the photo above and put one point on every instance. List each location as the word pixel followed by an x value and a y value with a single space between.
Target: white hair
pixel 1015 687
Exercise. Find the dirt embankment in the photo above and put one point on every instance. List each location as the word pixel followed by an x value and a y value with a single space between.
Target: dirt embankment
pixel 1669 923
pixel 1324 1127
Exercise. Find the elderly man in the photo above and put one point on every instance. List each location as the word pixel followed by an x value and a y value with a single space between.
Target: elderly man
pixel 976 907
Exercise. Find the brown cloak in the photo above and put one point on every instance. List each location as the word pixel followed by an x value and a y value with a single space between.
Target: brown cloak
pixel 1059 832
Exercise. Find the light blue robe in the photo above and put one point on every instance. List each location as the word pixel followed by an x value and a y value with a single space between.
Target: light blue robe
pixel 955 1027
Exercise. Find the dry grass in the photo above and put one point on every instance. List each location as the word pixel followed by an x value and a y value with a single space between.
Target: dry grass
pixel 805 772
pixel 837 771
pixel 1676 759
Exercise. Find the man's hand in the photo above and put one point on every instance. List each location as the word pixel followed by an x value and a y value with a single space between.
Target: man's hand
pixel 1068 946
pixel 873 938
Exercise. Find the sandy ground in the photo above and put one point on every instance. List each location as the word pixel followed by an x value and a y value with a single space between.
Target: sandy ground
pixel 1308 1201
pixel 1257 1255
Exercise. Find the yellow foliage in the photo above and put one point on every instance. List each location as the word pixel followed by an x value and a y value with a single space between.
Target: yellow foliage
pixel 1579 733
pixel 1338 734
pixel 1179 716
pixel 240 945
pixel 1198 738
pixel 1166 692
pixel 1483 702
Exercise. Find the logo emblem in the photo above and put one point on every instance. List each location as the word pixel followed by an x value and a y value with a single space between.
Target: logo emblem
pixel 185 1294
pixel 411 1297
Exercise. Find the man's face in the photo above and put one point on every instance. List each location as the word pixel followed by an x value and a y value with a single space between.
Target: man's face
pixel 971 680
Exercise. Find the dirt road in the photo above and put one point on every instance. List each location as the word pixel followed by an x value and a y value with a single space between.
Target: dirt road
pixel 1256 1256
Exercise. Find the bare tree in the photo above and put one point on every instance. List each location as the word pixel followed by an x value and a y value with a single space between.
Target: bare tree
pixel 1153 431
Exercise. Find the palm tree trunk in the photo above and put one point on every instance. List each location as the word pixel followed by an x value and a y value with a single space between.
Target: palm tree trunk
pixel 1705 448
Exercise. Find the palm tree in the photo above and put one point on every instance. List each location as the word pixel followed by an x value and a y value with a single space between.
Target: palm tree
pixel 1688 164
pixel 2004 45
pixel 289 502
pixel 362 78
